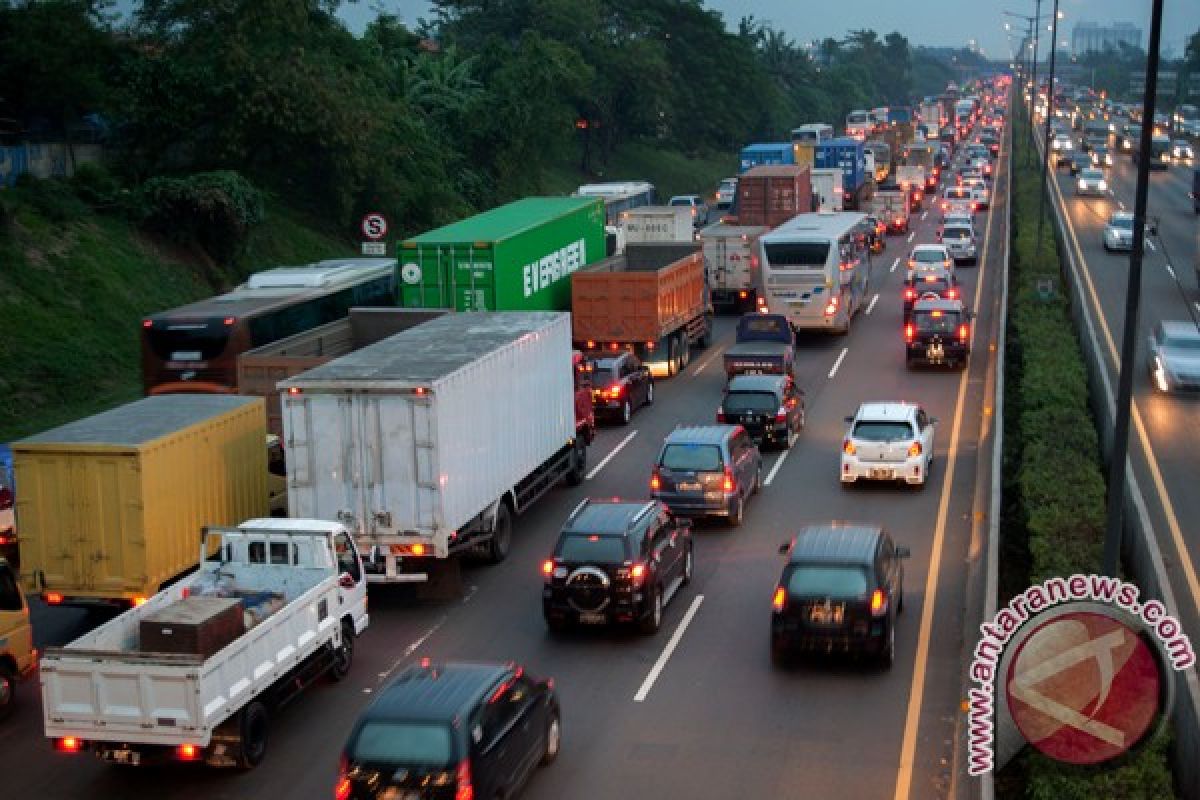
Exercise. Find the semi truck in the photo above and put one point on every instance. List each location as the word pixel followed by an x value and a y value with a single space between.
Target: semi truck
pixel 771 196
pixel 109 506
pixel 517 257
pixel 652 299
pixel 847 155
pixel 196 673
pixel 429 443
pixel 731 263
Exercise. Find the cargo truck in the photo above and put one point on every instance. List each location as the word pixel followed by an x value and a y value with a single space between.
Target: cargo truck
pixel 931 115
pixel 197 671
pixel 892 205
pixel 731 263
pixel 428 443
pixel 17 656
pixel 658 224
pixel 883 158
pixel 771 196
pixel 827 189
pixel 923 155
pixel 518 257
pixel 652 299
pixel 766 345
pixel 260 369
pixel 846 154
pixel 109 506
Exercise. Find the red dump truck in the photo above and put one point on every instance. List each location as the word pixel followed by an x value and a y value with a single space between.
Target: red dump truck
pixel 651 299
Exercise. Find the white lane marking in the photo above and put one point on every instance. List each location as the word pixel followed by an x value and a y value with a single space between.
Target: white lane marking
pixel 706 362
pixel 911 235
pixel 838 363
pixel 871 305
pixel 895 264
pixel 652 676
pixel 924 214
pixel 1150 244
pixel 408 651
pixel 1171 272
pixel 596 469
pixel 775 467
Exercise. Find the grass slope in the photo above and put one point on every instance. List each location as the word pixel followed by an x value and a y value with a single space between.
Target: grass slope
pixel 72 293
pixel 670 171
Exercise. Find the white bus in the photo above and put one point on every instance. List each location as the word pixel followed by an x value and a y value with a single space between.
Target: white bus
pixel 858 124
pixel 813 133
pixel 619 196
pixel 815 270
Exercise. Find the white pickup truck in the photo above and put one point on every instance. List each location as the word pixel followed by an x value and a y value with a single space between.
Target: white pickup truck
pixel 302 586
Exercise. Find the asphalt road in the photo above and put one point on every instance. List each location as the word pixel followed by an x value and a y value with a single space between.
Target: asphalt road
pixel 718 721
pixel 1165 434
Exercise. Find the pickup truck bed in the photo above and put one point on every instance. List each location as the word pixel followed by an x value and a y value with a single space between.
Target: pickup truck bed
pixel 750 358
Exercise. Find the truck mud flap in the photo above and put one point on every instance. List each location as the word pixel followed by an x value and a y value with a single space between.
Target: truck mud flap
pixel 444 581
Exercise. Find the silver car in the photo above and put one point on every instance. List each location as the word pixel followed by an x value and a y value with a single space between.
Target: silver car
pixel 960 241
pixel 1174 356
pixel 1118 233
pixel 1091 182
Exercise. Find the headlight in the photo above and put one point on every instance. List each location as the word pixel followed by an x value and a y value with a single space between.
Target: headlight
pixel 1102 185
pixel 1082 184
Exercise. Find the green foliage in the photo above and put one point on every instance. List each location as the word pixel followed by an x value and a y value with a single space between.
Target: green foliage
pixel 52 197
pixel 95 185
pixel 1143 775
pixel 214 210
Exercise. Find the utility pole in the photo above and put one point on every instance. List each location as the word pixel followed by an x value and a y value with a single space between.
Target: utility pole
pixel 1115 521
pixel 1033 95
pixel 1037 248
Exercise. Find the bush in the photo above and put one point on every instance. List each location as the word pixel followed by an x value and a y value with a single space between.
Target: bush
pixel 1142 775
pixel 52 198
pixel 96 186
pixel 214 210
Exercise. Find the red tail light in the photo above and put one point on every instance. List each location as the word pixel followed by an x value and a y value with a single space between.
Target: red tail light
pixel 342 789
pixel 952 294
pixel 910 294
pixel 779 601
pixel 832 306
pixel 69 744
pixel 727 486
pixel 914 449
pixel 910 332
pixel 848 447
pixel 655 482
pixel 781 416
pixel 963 332
pixel 615 390
pixel 53 598
pixel 462 779
pixel 187 752
pixel 878 603
pixel 720 417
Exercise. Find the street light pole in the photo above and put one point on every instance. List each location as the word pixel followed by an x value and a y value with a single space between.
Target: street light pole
pixel 1037 248
pixel 1120 450
pixel 1033 95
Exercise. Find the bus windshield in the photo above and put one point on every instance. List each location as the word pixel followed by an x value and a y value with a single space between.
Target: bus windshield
pixel 797 255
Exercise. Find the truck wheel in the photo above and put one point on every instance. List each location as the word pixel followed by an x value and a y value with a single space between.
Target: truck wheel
pixel 706 337
pixel 575 474
pixel 672 356
pixel 685 351
pixel 255 730
pixel 343 656
pixel 8 691
pixel 497 549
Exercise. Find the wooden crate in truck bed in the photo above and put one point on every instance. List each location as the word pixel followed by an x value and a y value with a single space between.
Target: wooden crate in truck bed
pixel 197 625
pixel 640 295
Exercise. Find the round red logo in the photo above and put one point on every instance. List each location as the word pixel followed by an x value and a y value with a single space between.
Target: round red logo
pixel 1084 687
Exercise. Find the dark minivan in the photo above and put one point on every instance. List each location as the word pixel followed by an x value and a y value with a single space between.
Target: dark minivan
pixel 840 591
pixel 449 731
pixel 707 470
pixel 769 407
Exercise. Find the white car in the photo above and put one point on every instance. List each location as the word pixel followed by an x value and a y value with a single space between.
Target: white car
pixel 1091 182
pixel 960 218
pixel 889 442
pixel 960 241
pixel 1062 141
pixel 980 191
pixel 1118 233
pixel 1181 150
pixel 925 257
pixel 725 192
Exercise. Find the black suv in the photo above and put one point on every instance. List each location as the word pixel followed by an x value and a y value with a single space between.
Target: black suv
pixel 616 561
pixel 938 332
pixel 841 590
pixel 441 731
pixel 769 407
pixel 621 384
pixel 929 285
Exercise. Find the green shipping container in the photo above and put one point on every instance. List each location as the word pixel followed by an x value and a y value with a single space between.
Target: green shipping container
pixel 518 257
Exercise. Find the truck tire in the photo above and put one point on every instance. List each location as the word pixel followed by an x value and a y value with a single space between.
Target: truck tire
pixel 672 356
pixel 343 656
pixel 254 729
pixel 501 541
pixel 685 351
pixel 575 474
pixel 8 691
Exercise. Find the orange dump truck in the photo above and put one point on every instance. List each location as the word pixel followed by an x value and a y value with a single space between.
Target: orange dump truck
pixel 652 299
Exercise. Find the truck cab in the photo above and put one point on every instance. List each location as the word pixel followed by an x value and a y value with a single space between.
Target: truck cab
pixel 765 346
pixel 17 656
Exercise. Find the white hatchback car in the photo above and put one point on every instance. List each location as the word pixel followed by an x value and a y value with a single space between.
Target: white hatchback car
pixel 926 257
pixel 888 442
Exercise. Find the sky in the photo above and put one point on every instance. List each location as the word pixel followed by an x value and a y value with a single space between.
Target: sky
pixel 924 22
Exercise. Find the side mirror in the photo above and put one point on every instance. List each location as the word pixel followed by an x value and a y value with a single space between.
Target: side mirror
pixel 785 548
pixel 346 580
pixel 903 552
pixel 848 420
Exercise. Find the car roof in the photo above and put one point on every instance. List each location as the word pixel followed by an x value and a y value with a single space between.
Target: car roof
pixel 940 304
pixel 924 248
pixel 756 383
pixel 614 517
pixel 886 410
pixel 700 434
pixel 1180 329
pixel 835 543
pixel 436 691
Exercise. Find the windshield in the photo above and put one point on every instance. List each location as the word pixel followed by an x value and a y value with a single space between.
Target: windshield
pixel 691 457
pixel 956 233
pixel 936 321
pixel 929 256
pixel 188 341
pixel 605 374
pixel 882 430
pixel 1092 175
pixel 591 549
pixel 797 255
pixel 392 742
pixel 740 402
pixel 827 581
pixel 681 201
pixel 1124 223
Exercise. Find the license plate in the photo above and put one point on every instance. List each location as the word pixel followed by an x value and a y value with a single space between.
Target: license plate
pixel 880 474
pixel 688 486
pixel 131 757
pixel 592 618
pixel 186 355
pixel 827 615
pixel 935 353
pixel 754 371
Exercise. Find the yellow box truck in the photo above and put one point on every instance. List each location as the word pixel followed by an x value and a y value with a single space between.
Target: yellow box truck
pixel 110 507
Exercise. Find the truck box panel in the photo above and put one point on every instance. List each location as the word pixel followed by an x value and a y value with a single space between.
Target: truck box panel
pixel 845 154
pixel 730 256
pixel 496 401
pixel 770 196
pixel 613 303
pixel 110 506
pixel 658 224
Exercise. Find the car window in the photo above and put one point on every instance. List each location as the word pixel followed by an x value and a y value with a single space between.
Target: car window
pixel 956 233
pixel 869 430
pixel 1181 342
pixel 1092 174
pixel 10 598
pixel 394 742
pixel 827 581
pixel 1125 223
pixel 691 457
pixel 592 549
pixel 936 321
pixel 739 402
pixel 605 375
pixel 347 559
pixel 929 256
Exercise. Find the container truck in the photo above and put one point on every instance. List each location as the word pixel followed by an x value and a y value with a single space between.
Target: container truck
pixel 653 300
pixel 892 205
pixel 731 263
pixel 197 671
pixel 109 506
pixel 846 154
pixel 517 257
pixel 772 195
pixel 827 189
pixel 658 224
pixel 923 155
pixel 430 442
pixel 883 158
pixel 260 369
pixel 769 154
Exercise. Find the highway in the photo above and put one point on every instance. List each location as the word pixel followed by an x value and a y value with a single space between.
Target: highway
pixel 1165 432
pixel 709 717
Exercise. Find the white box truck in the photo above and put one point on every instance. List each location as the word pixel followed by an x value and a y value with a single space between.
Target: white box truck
pixel 731 264
pixel 827 188
pixel 650 224
pixel 301 585
pixel 431 441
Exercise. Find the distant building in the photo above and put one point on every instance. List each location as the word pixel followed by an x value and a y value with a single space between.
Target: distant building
pixel 1087 37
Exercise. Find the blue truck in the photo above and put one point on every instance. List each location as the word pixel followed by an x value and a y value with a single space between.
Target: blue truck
pixel 766 155
pixel 847 155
